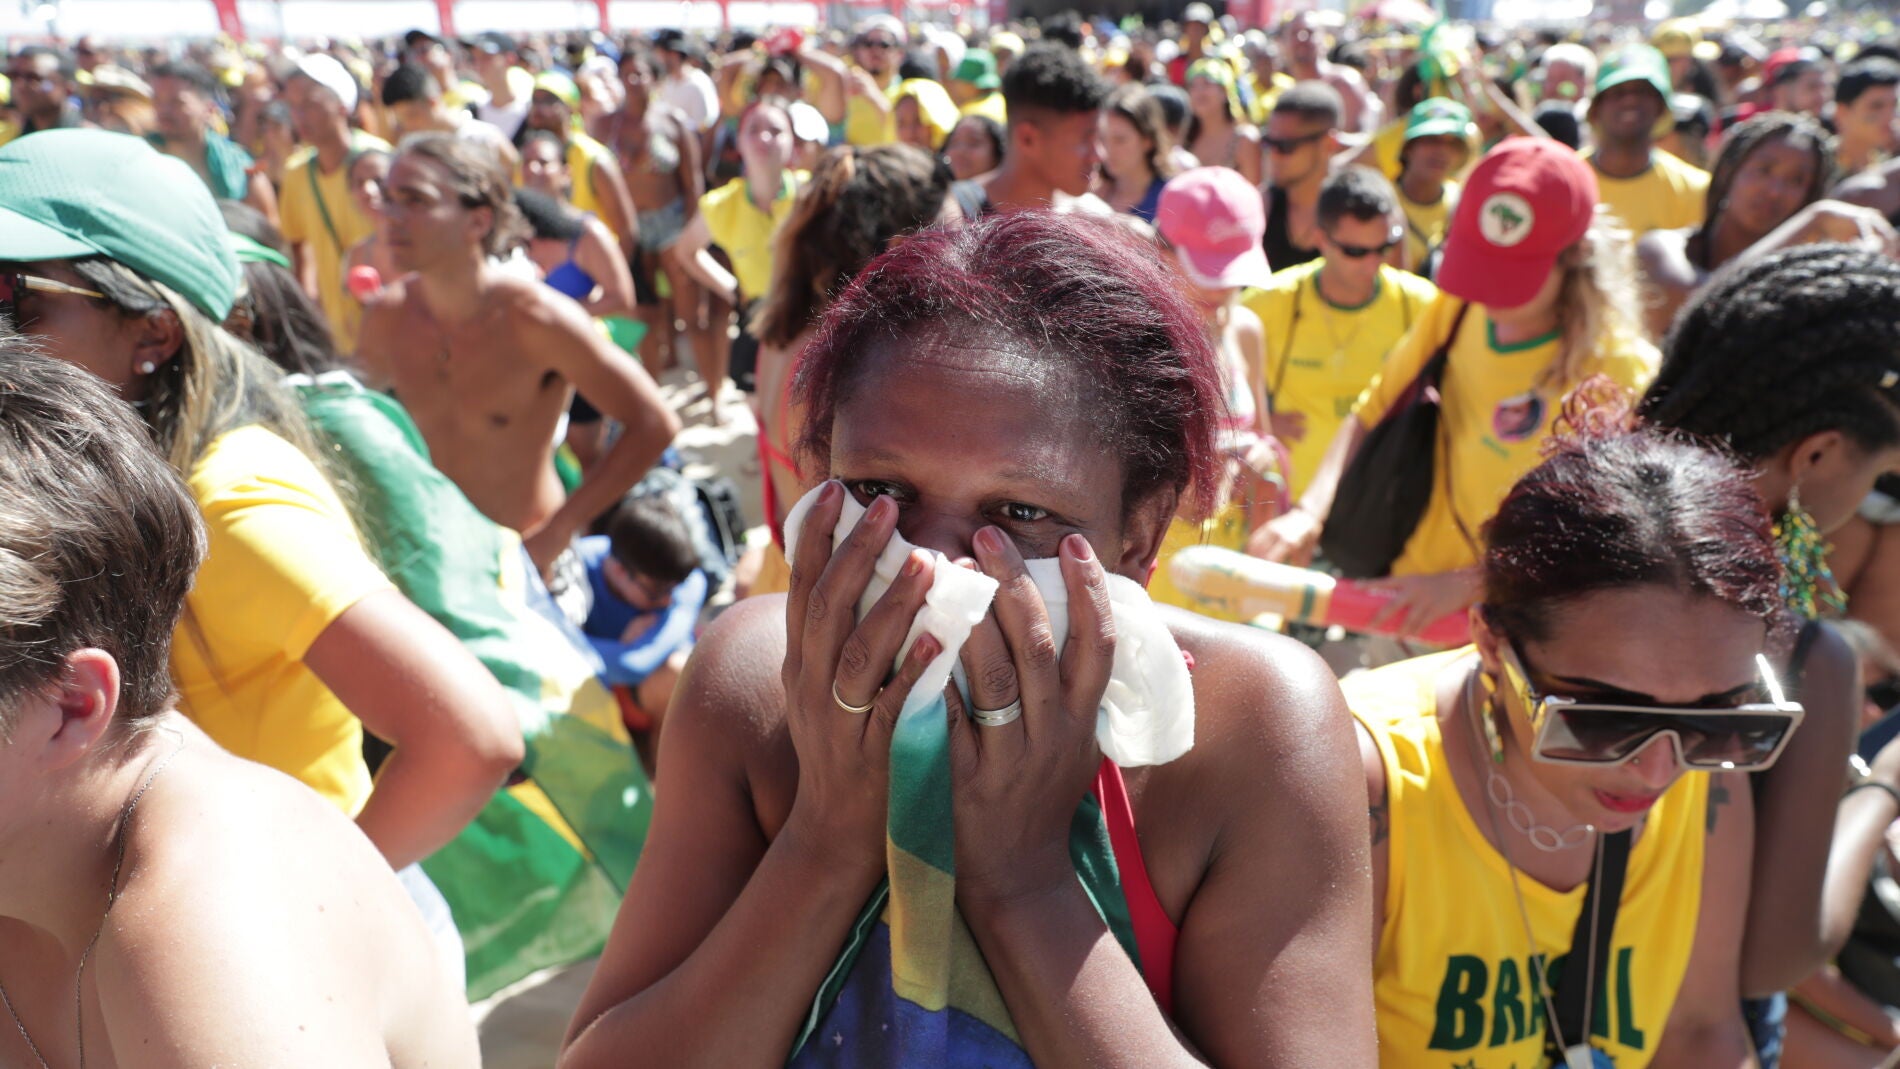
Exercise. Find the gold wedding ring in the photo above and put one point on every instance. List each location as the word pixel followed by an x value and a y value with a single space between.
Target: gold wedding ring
pixel 856 710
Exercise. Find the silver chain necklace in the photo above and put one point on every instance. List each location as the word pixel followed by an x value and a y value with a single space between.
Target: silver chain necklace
pixel 112 898
pixel 1523 911
pixel 1542 836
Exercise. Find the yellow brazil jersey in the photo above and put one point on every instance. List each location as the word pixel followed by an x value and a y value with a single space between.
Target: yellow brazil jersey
pixel 989 104
pixel 582 153
pixel 739 227
pixel 1456 975
pixel 318 212
pixel 1670 195
pixel 1266 96
pixel 1495 416
pixel 1426 224
pixel 1320 356
pixel 864 126
pixel 284 562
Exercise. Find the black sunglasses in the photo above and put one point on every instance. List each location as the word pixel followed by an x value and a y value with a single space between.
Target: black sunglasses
pixel 880 43
pixel 1396 235
pixel 1285 145
pixel 15 284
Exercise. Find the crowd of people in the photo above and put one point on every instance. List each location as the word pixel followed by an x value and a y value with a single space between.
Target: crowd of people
pixel 347 393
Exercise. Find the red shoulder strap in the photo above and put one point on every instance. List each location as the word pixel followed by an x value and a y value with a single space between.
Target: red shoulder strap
pixel 1155 934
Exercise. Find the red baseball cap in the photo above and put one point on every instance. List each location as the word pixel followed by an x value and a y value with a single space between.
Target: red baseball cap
pixel 1215 219
pixel 1529 199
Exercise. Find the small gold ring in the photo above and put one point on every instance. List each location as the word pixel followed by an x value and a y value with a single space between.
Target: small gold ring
pixel 856 710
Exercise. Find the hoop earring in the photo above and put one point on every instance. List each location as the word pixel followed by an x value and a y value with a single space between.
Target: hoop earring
pixel 1807 583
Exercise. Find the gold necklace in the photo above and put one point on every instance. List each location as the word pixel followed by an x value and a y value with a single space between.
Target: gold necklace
pixel 1359 324
pixel 112 898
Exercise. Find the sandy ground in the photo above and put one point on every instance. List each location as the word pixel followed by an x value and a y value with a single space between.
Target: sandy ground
pixel 521 1026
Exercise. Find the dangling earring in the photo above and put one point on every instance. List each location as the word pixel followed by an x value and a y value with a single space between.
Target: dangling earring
pixel 1486 709
pixel 1807 583
pixel 146 367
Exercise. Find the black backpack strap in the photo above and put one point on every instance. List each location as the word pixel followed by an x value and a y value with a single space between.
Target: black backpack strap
pixel 1589 953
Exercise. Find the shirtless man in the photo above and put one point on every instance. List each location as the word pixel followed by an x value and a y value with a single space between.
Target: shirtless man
pixel 1302 42
pixel 487 361
pixel 1054 101
pixel 163 904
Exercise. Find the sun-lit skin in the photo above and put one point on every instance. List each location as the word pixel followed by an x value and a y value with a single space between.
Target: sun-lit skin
pixel 1631 645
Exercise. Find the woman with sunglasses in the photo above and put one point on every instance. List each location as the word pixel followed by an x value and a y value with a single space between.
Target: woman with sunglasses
pixel 1571 788
pixel 1537 296
pixel 1793 363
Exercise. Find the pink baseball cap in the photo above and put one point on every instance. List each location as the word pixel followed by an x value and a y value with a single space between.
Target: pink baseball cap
pixel 1215 219
pixel 1529 199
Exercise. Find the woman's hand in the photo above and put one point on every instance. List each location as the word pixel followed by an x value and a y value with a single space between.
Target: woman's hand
pixel 836 665
pixel 1422 599
pixel 1289 538
pixel 1016 785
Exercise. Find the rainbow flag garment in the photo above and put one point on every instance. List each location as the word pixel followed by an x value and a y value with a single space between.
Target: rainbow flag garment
pixel 536 879
pixel 911 987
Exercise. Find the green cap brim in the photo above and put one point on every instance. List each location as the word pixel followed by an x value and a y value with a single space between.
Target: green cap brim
pixel 1611 79
pixel 24 240
pixel 1437 128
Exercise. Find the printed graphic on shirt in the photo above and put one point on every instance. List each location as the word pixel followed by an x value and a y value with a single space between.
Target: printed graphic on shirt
pixel 1516 419
pixel 1490 1004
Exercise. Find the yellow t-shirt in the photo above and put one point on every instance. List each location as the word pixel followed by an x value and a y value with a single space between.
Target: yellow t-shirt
pixel 1668 196
pixel 582 153
pixel 322 215
pixel 1454 978
pixel 989 104
pixel 1319 363
pixel 1493 420
pixel 285 561
pixel 1266 96
pixel 1426 224
pixel 739 227
pixel 864 126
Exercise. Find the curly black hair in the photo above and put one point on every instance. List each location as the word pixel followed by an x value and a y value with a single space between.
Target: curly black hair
pixel 1052 78
pixel 1741 141
pixel 1807 340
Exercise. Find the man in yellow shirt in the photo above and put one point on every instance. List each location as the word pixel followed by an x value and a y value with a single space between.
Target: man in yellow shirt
pixel 321 221
pixel 871 87
pixel 977 88
pixel 1439 135
pixel 1330 322
pixel 1646 189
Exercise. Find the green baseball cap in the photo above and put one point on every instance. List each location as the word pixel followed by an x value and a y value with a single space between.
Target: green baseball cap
pixel 978 67
pixel 1633 63
pixel 1438 116
pixel 69 194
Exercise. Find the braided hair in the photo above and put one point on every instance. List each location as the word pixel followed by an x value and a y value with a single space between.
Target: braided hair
pixel 1805 341
pixel 1800 131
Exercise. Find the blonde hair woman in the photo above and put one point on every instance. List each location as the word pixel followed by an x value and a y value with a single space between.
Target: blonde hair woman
pixel 292 641
pixel 1538 295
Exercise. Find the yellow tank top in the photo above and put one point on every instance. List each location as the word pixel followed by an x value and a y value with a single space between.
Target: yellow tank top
pixel 582 151
pixel 1455 983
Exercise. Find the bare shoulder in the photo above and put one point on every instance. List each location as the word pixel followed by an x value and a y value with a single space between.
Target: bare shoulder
pixel 731 688
pixel 1872 189
pixel 384 312
pixel 259 926
pixel 1261 697
pixel 1664 257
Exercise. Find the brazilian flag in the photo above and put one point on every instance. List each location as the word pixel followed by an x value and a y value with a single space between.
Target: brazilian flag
pixel 536 879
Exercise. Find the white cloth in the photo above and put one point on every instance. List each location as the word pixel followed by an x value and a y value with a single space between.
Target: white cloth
pixel 692 91
pixel 1147 712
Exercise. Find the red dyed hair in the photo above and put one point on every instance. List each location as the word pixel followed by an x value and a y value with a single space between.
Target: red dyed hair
pixel 1613 507
pixel 1066 288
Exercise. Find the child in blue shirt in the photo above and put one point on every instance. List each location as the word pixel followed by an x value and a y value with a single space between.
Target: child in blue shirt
pixel 648 593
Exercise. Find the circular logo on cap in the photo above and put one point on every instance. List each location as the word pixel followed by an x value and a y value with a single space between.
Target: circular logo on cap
pixel 1505 219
